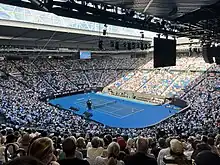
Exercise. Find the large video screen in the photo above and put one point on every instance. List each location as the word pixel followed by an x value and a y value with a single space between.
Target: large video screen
pixel 85 55
pixel 164 52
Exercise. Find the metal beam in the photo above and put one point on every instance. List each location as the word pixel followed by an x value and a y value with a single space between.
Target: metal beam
pixel 114 15
pixel 96 12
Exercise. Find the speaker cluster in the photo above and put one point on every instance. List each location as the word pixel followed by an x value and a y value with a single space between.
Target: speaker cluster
pixel 126 45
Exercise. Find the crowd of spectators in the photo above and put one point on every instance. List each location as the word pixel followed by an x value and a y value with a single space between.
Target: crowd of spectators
pixel 21 91
pixel 33 147
pixel 48 135
pixel 167 81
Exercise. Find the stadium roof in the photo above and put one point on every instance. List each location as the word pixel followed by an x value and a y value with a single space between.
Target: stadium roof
pixel 31 35
pixel 190 18
pixel 14 13
pixel 31 28
pixel 167 9
pixel 199 17
pixel 93 11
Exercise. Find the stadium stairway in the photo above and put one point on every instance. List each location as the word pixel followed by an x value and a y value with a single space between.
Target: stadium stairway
pixel 152 75
pixel 11 76
pixel 127 81
pixel 133 76
pixel 61 73
pixel 4 86
pixel 102 73
pixel 124 70
pixel 20 69
pixel 23 73
pixel 84 74
pixel 173 81
pixel 199 80
pixel 41 77
pixel 130 69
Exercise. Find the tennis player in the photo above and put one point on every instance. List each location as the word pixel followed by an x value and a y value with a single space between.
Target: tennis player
pixel 89 104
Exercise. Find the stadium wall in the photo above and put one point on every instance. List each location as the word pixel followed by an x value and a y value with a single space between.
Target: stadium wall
pixel 69 93
pixel 135 95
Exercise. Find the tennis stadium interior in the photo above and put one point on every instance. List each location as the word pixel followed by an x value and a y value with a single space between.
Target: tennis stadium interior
pixel 122 67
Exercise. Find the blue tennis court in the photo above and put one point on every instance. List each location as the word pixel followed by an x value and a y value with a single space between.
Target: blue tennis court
pixel 116 112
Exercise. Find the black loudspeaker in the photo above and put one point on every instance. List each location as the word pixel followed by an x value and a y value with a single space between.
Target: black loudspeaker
pixel 104 32
pixel 117 45
pixel 129 46
pixel 125 44
pixel 164 52
pixel 207 53
pixel 217 60
pixel 145 46
pixel 142 46
pixel 133 45
pixel 100 44
pixel 112 44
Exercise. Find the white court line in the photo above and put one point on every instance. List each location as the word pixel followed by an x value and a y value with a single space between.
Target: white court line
pixel 108 113
pixel 83 102
pixel 113 112
pixel 118 109
pixel 132 113
pixel 104 112
pixel 80 99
